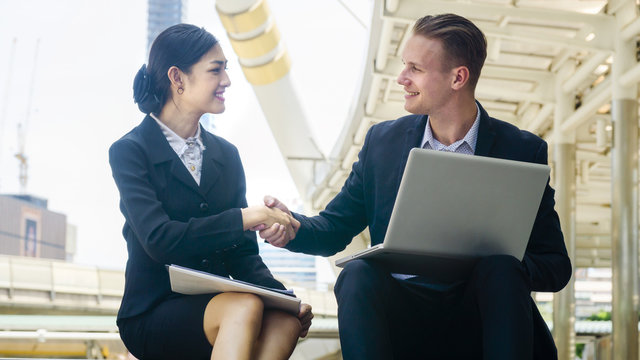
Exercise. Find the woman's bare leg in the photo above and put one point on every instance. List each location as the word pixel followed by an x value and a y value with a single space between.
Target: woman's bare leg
pixel 278 336
pixel 232 323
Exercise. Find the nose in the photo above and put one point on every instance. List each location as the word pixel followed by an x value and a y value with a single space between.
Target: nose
pixel 402 78
pixel 226 82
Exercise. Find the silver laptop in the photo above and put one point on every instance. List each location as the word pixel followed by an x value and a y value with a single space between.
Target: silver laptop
pixel 452 209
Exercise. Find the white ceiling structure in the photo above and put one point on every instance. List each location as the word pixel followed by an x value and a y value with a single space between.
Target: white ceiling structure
pixel 530 42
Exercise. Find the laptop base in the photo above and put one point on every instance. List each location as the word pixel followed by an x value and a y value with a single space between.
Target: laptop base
pixel 439 268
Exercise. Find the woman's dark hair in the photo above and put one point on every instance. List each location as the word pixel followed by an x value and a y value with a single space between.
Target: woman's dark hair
pixel 180 45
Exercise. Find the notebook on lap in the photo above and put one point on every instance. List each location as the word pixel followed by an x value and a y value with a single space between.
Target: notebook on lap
pixel 452 209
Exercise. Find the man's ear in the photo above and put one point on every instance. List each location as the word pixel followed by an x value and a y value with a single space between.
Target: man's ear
pixel 175 76
pixel 460 77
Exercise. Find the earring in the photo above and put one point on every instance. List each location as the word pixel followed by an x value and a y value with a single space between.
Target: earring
pixel 180 90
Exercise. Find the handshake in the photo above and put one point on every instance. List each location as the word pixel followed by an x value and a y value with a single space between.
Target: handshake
pixel 273 221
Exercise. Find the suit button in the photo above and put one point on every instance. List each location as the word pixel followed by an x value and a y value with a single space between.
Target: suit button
pixel 204 206
pixel 205 263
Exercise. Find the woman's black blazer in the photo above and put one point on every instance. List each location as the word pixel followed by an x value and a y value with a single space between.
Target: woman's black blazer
pixel 169 219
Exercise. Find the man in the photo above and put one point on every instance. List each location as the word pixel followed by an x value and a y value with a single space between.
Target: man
pixel 398 316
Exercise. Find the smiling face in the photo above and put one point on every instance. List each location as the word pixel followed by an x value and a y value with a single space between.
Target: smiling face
pixel 426 78
pixel 205 84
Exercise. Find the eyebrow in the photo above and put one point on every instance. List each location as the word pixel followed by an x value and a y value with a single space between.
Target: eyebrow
pixel 219 62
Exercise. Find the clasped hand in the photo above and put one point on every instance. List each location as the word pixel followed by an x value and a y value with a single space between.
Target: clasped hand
pixel 278 233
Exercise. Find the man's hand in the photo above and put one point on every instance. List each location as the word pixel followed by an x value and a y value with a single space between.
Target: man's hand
pixel 272 202
pixel 278 235
pixel 279 225
pixel 305 317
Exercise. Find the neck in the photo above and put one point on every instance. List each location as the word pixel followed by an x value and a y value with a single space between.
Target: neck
pixel 453 123
pixel 183 124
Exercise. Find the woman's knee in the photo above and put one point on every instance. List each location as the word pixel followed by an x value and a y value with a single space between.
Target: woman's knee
pixel 247 305
pixel 289 324
pixel 224 307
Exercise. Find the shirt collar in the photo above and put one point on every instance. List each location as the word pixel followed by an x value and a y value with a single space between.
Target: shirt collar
pixel 471 138
pixel 177 143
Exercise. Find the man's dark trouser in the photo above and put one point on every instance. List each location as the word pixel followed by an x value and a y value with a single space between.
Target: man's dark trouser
pixel 489 317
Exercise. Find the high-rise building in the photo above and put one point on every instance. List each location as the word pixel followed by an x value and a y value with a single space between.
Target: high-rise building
pixel 299 269
pixel 161 15
pixel 28 228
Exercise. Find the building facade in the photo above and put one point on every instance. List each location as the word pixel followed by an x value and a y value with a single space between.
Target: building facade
pixel 28 228
pixel 298 269
pixel 161 15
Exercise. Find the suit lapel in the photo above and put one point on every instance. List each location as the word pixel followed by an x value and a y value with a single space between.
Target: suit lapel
pixel 413 137
pixel 212 162
pixel 486 134
pixel 415 133
pixel 161 152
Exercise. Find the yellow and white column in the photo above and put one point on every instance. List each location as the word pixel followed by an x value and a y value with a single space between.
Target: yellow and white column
pixel 265 62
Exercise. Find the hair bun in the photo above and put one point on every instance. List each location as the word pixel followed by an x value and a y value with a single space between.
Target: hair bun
pixel 142 94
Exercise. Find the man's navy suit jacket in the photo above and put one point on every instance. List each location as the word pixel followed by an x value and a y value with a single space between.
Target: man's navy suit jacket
pixel 169 219
pixel 369 193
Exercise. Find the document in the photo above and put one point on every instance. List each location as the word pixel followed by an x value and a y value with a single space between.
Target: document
pixel 193 282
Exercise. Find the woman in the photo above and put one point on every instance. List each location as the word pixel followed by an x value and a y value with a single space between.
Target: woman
pixel 182 193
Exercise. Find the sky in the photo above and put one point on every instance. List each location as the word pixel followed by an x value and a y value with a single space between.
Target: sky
pixel 69 77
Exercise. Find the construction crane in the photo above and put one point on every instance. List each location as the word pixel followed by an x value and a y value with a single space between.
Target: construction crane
pixel 23 126
pixel 5 100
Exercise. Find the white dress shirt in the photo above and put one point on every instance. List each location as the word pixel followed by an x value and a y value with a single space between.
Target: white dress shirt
pixel 466 145
pixel 188 150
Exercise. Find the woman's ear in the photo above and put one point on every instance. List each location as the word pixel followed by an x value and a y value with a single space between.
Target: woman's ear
pixel 175 76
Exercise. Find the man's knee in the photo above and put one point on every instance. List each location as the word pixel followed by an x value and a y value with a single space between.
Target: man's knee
pixel 358 275
pixel 498 263
pixel 500 271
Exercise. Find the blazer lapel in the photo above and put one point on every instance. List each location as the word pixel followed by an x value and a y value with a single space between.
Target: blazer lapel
pixel 486 134
pixel 212 162
pixel 161 152
pixel 412 139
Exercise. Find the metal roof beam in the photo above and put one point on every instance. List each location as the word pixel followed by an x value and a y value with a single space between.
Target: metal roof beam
pixel 503 115
pixel 583 6
pixel 631 30
pixel 383 46
pixel 591 230
pixel 390 110
pixel 596 44
pixel 584 71
pixel 594 241
pixel 614 5
pixel 598 97
pixel 409 10
pixel 413 8
pixel 536 123
pixel 493 92
pixel 631 76
pixel 601 263
pixel 519 74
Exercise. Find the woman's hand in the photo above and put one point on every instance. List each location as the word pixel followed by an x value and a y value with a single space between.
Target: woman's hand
pixel 260 216
pixel 305 317
pixel 275 235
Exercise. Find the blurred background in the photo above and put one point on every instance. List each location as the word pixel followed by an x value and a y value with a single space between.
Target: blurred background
pixel 308 79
